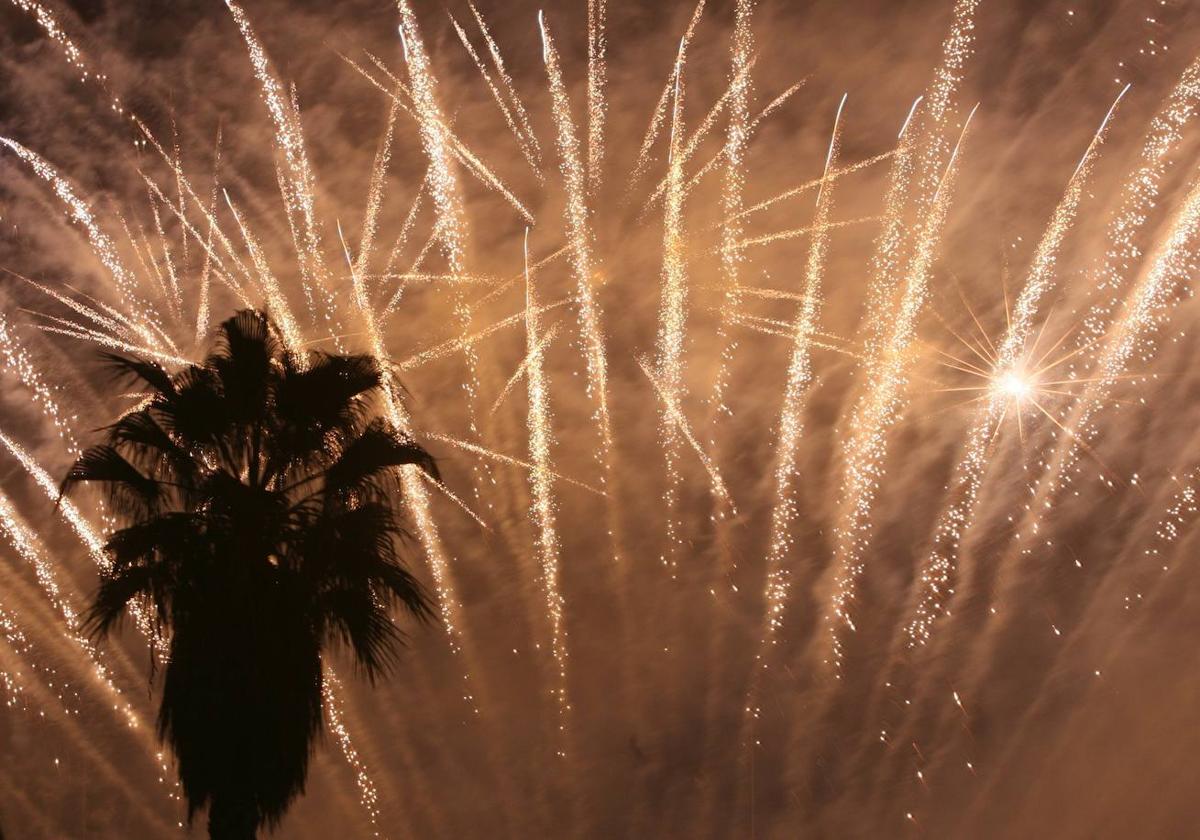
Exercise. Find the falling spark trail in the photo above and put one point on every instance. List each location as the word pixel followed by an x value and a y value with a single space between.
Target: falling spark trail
pixel 415 492
pixel 116 344
pixel 677 419
pixel 659 116
pixel 102 245
pixel 1139 194
pixel 505 459
pixel 458 149
pixel 406 229
pixel 933 582
pixel 298 186
pixel 368 794
pixel 866 442
pixel 452 496
pixel 55 685
pixel 46 21
pixel 118 324
pixel 446 195
pixel 795 233
pixel 510 88
pixel 774 105
pixel 935 574
pixel 24 541
pixel 544 342
pixel 597 79
pixel 375 193
pixel 779 566
pixel 542 508
pixel 808 186
pixel 454 345
pixel 87 535
pixel 1144 310
pixel 719 156
pixel 683 152
pixel 790 427
pixel 1168 528
pixel 277 302
pixel 528 149
pixel 21 361
pixel 672 319
pixel 205 242
pixel 580 237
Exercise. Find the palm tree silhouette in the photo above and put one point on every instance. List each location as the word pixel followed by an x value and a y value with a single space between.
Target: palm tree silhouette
pixel 258 493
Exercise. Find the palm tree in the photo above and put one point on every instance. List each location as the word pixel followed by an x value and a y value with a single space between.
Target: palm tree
pixel 258 496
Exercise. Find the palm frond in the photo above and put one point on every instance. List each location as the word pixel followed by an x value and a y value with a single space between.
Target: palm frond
pixel 116 590
pixel 135 370
pixel 128 489
pixel 243 360
pixel 149 446
pixel 378 449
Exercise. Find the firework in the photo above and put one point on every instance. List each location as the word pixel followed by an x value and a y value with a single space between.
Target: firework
pixel 663 653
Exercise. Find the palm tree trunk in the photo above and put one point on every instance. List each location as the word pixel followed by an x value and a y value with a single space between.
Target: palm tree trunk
pixel 232 817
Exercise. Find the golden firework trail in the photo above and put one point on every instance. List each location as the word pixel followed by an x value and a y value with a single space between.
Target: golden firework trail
pixel 368 794
pixel 597 78
pixel 298 185
pixel 677 419
pixel 684 151
pixel 673 317
pixel 716 159
pixel 19 360
pixel 498 62
pixel 460 151
pixel 277 302
pixel 25 542
pixel 528 149
pixel 102 340
pixel 49 25
pixel 465 342
pixel 1170 526
pixel 87 535
pixel 809 186
pixel 417 499
pixel 173 295
pixel 542 507
pixel 795 233
pixel 83 529
pixel 1143 307
pixel 1009 385
pixel 544 342
pixel 579 235
pixel 780 559
pixel 866 442
pixel 102 246
pixel 406 229
pixel 205 242
pixel 791 421
pixel 500 457
pixel 415 494
pixel 659 115
pixel 446 195
pixel 100 314
pixel 375 193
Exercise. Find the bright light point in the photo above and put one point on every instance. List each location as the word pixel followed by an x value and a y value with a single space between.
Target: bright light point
pixel 1014 385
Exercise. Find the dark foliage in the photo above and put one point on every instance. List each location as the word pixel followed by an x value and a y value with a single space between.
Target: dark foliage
pixel 258 493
